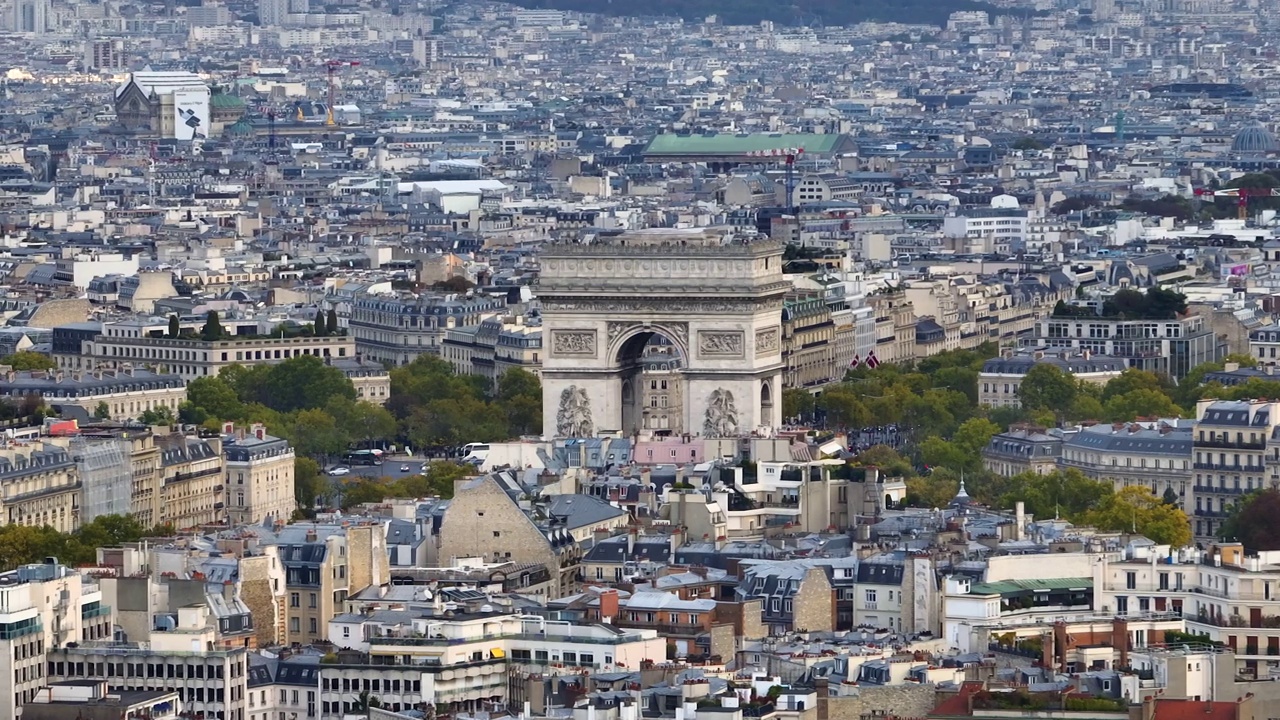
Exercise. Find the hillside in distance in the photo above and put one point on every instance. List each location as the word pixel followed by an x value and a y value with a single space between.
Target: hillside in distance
pixel 750 12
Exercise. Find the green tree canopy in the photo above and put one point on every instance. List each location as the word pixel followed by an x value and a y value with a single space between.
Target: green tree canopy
pixel 1144 403
pixel 212 329
pixel 797 403
pixel 1047 387
pixel 1253 521
pixel 1137 508
pixel 28 360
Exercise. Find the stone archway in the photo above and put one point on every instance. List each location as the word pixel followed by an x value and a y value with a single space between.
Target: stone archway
pixel 715 297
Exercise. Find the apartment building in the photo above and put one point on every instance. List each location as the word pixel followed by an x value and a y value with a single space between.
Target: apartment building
pixel 988 230
pixel 484 520
pixel 461 662
pixel 323 565
pixel 895 321
pixel 809 342
pixel 1222 593
pixel 493 347
pixel 1167 346
pixel 138 344
pixel 1001 377
pixel 210 681
pixel 146 493
pixel 41 485
pixel 370 379
pixel 1023 449
pixel 1231 450
pixel 193 480
pixel 396 330
pixel 1155 455
pixel 43 607
pixel 259 476
pixel 126 393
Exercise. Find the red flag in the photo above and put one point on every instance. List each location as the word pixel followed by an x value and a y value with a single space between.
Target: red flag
pixel 856 361
pixel 872 362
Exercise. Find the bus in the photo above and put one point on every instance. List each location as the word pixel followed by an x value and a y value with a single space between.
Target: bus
pixel 363 457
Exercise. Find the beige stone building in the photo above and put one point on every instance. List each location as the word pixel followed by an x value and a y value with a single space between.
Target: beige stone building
pixel 192 484
pixel 483 520
pixel 493 347
pixel 895 326
pixel 259 476
pixel 41 486
pixel 126 392
pixel 144 344
pixel 323 565
pixel 370 379
pixel 809 342
pixel 144 458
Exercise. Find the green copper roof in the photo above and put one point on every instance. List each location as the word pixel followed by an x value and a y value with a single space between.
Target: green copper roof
pixel 726 144
pixel 222 100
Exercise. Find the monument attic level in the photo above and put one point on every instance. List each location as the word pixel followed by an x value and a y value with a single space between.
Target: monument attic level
pixel 715 296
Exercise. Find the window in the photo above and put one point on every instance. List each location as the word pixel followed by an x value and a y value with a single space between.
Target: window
pixel 295 600
pixel 1131 580
pixel 871 596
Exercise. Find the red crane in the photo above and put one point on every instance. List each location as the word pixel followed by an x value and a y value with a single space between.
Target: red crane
pixel 331 66
pixel 1244 195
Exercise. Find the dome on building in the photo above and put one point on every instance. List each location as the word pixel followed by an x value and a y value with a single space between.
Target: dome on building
pixel 1254 140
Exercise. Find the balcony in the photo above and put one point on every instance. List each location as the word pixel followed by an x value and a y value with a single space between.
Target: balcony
pixel 1232 444
pixel 1210 513
pixel 1202 489
pixel 1228 467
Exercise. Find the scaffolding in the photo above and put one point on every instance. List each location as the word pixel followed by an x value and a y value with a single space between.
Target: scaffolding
pixel 106 477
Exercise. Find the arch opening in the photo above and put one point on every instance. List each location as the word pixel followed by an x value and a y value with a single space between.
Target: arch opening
pixel 652 384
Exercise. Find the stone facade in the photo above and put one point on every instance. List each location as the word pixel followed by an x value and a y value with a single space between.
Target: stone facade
pixel 482 521
pixel 716 299
pixel 814 603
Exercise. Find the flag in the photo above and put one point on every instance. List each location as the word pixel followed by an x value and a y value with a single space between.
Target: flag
pixel 856 361
pixel 872 362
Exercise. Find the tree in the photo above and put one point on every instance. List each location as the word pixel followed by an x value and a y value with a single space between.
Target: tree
pixel 363 422
pixel 1136 508
pixel 1085 407
pixel 1056 494
pixel 175 328
pixel 1141 404
pixel 212 329
pixel 28 360
pixel 843 408
pixel 797 403
pixel 295 384
pixel 318 324
pixel 1171 498
pixel 162 415
pixel 307 482
pixel 1130 380
pixel 520 396
pixel 331 325
pixel 215 397
pixel 102 411
pixel 1047 387
pixel 315 433
pixel 935 490
pixel 1253 521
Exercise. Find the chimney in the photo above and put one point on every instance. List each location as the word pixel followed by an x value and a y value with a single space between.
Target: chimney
pixel 608 605
pixel 600 534
pixel 632 532
pixel 1020 520
pixel 677 539
pixel 228 428
pixel 311 534
pixel 259 431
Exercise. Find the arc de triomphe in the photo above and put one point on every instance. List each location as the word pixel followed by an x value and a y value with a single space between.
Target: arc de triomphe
pixel 715 297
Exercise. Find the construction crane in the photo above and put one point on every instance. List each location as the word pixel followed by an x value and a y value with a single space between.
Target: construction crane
pixel 1244 195
pixel 331 66
pixel 788 156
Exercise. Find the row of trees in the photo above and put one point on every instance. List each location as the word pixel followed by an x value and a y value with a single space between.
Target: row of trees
pixel 436 407
pixel 25 544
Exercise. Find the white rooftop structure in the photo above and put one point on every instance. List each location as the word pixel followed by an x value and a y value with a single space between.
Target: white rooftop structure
pixel 162 82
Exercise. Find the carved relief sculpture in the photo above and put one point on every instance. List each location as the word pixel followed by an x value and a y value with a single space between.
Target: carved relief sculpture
pixel 570 342
pixel 573 419
pixel 768 341
pixel 721 419
pixel 720 343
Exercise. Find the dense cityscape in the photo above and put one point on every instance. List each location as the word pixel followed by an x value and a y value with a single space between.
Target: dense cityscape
pixel 558 360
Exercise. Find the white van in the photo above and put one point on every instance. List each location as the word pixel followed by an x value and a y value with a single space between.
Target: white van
pixel 474 453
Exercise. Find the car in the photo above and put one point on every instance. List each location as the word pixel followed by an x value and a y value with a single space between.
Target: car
pixel 338 471
pixel 404 468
